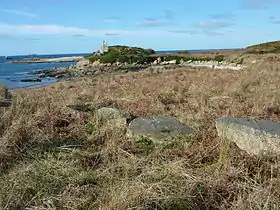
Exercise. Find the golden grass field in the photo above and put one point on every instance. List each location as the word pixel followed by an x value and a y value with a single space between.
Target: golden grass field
pixel 103 169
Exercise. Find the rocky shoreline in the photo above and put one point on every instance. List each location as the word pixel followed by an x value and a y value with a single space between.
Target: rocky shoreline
pixel 84 67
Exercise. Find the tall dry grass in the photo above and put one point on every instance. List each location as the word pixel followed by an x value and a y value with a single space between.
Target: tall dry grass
pixel 52 157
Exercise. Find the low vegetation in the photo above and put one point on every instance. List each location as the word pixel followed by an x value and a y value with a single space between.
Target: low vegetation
pixel 53 157
pixel 132 55
pixel 268 47
pixel 218 58
pixel 124 54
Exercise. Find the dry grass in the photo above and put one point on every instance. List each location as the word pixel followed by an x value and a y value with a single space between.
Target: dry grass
pixel 52 157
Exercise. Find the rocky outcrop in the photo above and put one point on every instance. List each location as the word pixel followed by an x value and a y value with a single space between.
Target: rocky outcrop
pixel 257 137
pixel 124 59
pixel 83 63
pixel 158 128
pixel 58 73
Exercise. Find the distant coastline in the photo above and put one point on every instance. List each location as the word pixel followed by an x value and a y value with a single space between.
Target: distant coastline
pixel 2 57
pixel 11 74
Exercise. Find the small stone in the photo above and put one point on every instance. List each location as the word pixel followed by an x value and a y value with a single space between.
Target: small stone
pixel 257 137
pixel 157 128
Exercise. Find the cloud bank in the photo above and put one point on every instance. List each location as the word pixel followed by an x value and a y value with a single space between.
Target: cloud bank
pixel 20 12
pixel 6 29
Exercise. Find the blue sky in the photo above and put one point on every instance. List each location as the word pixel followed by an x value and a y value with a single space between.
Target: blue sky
pixel 79 26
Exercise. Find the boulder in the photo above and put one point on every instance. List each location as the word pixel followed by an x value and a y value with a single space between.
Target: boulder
pixel 108 113
pixel 82 63
pixel 96 63
pixel 257 137
pixel 158 128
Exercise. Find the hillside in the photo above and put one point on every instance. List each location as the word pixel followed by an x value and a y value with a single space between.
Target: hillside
pixel 123 54
pixel 267 47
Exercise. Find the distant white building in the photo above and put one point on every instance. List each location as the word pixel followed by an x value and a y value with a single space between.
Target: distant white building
pixel 104 47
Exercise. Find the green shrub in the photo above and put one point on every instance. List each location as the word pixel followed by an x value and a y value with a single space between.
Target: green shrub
pixel 219 58
pixel 150 51
pixel 124 54
pixel 185 59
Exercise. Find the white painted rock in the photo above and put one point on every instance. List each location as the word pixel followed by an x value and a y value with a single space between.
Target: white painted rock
pixel 258 137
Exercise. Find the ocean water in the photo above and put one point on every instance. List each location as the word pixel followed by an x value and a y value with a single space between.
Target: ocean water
pixel 11 74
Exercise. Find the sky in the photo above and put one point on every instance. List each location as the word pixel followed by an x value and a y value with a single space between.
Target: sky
pixel 79 26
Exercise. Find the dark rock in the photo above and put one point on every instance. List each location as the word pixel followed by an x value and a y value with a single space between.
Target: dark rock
pixel 157 128
pixel 41 71
pixel 41 75
pixel 31 80
pixel 258 137
pixel 5 103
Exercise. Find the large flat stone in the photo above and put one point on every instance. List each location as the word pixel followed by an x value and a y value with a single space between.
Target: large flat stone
pixel 158 128
pixel 258 137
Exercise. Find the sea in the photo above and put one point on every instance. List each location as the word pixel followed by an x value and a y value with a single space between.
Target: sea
pixel 11 74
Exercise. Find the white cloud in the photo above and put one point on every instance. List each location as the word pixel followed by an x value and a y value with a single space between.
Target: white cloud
pixel 6 29
pixel 19 12
pixel 214 24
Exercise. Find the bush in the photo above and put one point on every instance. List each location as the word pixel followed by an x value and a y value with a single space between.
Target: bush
pixel 124 54
pixel 219 58
pixel 177 58
pixel 185 59
pixel 150 51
